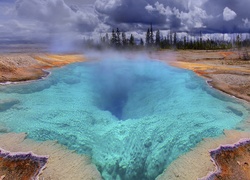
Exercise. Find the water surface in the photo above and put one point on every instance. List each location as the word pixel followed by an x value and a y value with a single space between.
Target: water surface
pixel 133 117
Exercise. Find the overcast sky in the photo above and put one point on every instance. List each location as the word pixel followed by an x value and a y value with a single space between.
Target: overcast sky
pixel 53 19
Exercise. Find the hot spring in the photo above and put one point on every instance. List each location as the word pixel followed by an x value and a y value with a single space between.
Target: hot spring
pixel 132 116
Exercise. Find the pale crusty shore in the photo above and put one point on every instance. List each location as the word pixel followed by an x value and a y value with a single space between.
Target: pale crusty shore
pixel 223 69
pixel 62 163
pixel 197 163
pixel 15 67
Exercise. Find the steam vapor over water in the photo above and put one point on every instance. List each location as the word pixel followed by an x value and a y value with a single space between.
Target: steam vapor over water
pixel 132 116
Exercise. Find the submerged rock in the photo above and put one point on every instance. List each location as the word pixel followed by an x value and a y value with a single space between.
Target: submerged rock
pixel 191 85
pixel 7 104
pixel 235 111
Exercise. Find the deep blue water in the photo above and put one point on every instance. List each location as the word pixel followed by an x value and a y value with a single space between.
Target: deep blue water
pixel 133 117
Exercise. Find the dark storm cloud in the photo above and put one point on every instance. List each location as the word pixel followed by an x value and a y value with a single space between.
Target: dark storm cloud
pixel 188 15
pixel 50 18
pixel 220 23
pixel 135 12
pixel 164 14
pixel 128 11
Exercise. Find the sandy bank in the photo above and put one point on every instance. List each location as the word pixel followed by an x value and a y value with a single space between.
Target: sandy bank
pixel 62 163
pixel 197 163
pixel 16 67
pixel 224 70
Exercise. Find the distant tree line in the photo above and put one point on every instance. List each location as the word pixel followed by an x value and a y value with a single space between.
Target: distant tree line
pixel 120 40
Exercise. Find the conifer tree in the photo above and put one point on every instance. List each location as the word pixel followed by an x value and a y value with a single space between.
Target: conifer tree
pixel 200 46
pixel 171 38
pixel 118 39
pixel 238 42
pixel 151 35
pixel 124 39
pixel 157 38
pixel 107 38
pixel 148 37
pixel 168 40
pixel 131 40
pixel 185 42
pixel 102 40
pixel 163 43
pixel 113 38
pixel 175 38
pixel 141 42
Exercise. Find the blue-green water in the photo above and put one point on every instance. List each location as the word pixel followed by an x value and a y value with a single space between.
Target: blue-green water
pixel 133 117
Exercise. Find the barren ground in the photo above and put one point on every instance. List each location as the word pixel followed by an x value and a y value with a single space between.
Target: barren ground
pixel 24 66
pixel 223 69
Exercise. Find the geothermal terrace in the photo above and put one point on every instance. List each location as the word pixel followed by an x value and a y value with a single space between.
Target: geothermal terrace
pixel 222 70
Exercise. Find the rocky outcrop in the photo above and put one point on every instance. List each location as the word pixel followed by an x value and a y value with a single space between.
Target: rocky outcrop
pixel 21 165
pixel 61 162
pixel 197 163
pixel 231 161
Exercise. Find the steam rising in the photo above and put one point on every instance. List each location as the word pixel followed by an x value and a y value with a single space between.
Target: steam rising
pixel 132 115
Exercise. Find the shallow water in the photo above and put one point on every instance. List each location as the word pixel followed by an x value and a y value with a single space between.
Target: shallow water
pixel 133 117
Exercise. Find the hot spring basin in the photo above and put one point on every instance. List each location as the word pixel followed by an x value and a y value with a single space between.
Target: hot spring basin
pixel 133 117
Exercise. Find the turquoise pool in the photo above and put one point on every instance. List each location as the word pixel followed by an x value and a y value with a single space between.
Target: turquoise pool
pixel 132 116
